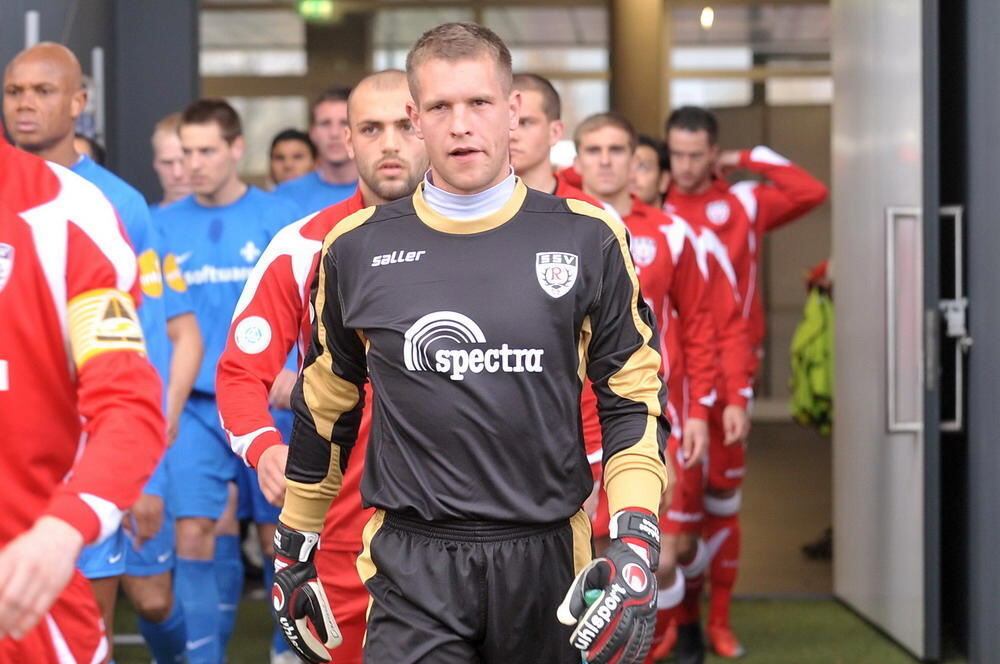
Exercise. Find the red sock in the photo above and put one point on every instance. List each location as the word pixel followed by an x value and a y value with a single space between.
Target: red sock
pixel 722 536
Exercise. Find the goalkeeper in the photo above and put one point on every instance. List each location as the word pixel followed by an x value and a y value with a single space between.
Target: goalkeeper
pixel 476 307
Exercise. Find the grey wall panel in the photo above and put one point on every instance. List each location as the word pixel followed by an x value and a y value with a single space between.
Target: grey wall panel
pixel 155 72
pixel 983 138
pixel 878 476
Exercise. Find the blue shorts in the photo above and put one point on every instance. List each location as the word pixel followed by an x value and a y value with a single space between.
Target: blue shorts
pixel 253 505
pixel 200 463
pixel 116 555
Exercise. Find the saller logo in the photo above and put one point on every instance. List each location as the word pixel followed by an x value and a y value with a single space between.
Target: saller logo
pixel 556 271
pixel 422 349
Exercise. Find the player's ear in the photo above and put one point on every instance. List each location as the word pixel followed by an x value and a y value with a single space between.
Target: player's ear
pixel 77 103
pixel 238 147
pixel 557 129
pixel 348 143
pixel 514 102
pixel 414 115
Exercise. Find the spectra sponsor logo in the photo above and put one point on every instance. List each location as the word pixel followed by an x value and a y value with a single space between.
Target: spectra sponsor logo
pixel 422 349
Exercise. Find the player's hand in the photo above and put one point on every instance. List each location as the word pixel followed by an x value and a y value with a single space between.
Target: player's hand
pixel 271 473
pixel 146 519
pixel 727 163
pixel 300 603
pixel 34 568
pixel 281 389
pixel 695 441
pixel 612 601
pixel 173 426
pixel 735 424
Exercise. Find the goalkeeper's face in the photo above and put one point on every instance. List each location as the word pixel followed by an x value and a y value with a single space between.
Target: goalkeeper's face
pixel 465 111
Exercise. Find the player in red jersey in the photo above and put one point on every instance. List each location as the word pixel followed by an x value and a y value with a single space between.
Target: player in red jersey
pixel 674 286
pixel 81 427
pixel 739 214
pixel 273 314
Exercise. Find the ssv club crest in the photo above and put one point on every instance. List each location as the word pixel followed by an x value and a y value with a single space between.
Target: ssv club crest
pixel 556 271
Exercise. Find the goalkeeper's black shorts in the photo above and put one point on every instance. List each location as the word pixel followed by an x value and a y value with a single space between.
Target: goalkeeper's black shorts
pixel 470 592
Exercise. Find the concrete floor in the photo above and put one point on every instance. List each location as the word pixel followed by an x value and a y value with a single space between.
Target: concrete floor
pixel 787 501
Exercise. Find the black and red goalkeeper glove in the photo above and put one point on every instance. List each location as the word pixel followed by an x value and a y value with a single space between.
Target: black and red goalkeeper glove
pixel 300 604
pixel 616 627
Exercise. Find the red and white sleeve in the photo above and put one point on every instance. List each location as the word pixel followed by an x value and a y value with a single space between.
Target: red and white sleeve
pixel 118 391
pixel 264 330
pixel 789 193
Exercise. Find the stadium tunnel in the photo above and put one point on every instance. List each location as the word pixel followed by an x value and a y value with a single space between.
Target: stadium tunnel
pixel 889 104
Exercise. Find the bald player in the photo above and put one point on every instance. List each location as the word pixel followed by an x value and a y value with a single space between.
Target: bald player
pixel 391 160
pixel 168 160
pixel 43 96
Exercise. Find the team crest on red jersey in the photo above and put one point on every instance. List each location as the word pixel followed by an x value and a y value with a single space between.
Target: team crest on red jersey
pixel 6 263
pixel 717 212
pixel 643 250
pixel 556 271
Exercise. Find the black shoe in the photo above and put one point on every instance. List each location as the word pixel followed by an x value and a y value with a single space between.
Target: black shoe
pixel 690 648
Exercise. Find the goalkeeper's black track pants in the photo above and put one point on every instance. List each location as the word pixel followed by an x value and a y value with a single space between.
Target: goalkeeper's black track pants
pixel 469 592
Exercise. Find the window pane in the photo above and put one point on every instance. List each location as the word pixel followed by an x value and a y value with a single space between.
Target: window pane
pixel 252 43
pixel 263 117
pixel 581 98
pixel 400 28
pixel 265 62
pixel 711 57
pixel 550 59
pixel 540 26
pixel 799 90
pixel 710 92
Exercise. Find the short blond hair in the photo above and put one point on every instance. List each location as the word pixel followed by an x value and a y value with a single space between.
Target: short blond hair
pixel 607 119
pixel 459 41
pixel 170 124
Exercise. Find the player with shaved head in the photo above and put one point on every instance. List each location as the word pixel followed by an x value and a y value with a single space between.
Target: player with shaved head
pixel 391 160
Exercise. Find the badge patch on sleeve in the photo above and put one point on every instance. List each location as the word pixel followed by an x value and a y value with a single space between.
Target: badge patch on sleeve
pixel 150 274
pixel 103 320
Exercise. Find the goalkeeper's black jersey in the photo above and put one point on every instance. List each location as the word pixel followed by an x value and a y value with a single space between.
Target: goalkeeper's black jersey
pixel 476 336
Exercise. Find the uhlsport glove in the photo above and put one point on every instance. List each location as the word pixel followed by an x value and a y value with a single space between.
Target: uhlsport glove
pixel 617 626
pixel 300 604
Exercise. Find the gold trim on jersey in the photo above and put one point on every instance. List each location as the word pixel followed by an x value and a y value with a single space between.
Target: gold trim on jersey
pixel 365 563
pixel 586 332
pixel 327 396
pixel 583 551
pixel 445 225
pixel 100 321
pixel 635 476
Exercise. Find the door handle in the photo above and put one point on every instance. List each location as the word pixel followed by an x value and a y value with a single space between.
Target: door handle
pixel 954 312
pixel 905 324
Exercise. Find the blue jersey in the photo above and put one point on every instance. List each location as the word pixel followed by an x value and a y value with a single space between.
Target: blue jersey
pixel 134 214
pixel 311 193
pixel 215 249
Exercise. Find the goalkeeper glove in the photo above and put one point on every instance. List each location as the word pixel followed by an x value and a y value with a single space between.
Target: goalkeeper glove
pixel 618 626
pixel 300 604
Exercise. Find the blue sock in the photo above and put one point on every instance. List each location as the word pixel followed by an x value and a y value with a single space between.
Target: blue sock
pixel 166 640
pixel 278 643
pixel 195 588
pixel 229 580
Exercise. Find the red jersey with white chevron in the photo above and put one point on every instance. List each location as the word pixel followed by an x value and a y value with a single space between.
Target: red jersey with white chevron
pixel 271 317
pixel 740 215
pixel 81 427
pixel 735 358
pixel 674 287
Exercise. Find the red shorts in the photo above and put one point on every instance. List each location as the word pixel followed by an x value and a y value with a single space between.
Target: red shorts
pixel 348 599
pixel 726 463
pixel 687 507
pixel 72 631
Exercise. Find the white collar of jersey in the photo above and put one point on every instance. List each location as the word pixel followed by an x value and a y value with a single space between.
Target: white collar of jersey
pixel 464 207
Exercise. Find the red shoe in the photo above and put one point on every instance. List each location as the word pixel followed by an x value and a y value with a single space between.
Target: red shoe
pixel 661 649
pixel 723 642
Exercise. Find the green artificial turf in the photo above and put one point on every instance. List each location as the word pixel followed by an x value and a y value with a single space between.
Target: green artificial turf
pixel 773 631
